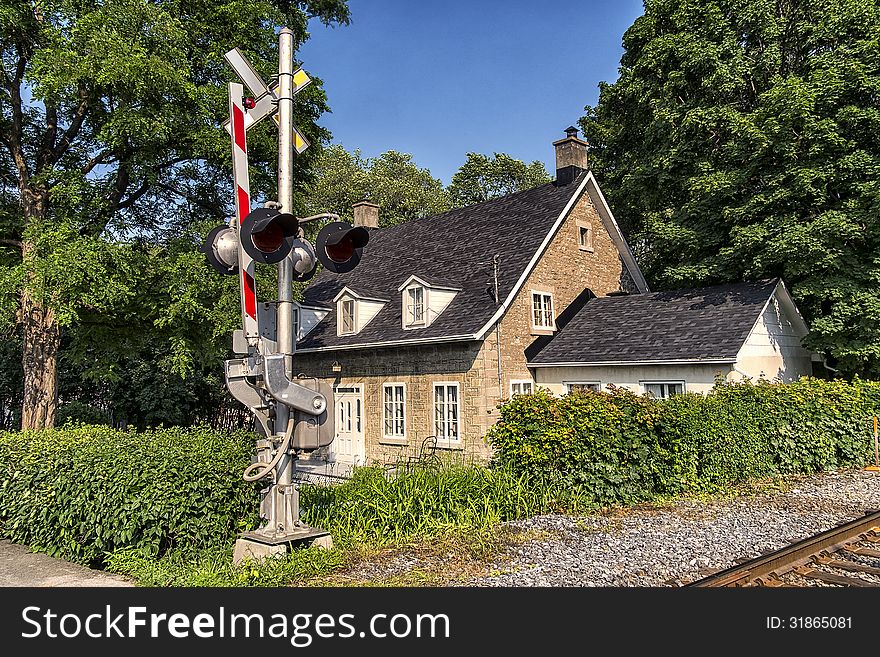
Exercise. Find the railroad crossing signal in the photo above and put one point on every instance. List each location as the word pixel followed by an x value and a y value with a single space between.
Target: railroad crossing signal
pixel 294 413
pixel 265 102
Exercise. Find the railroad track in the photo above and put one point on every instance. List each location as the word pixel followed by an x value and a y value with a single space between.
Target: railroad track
pixel 848 555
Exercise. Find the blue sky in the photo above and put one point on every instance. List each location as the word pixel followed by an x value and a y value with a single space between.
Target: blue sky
pixel 440 78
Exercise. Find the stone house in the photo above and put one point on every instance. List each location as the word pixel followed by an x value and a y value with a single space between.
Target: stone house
pixel 429 332
pixel 447 316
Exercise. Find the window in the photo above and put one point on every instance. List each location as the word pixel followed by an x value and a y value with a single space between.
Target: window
pixel 347 316
pixel 295 317
pixel 585 237
pixel 595 386
pixel 394 417
pixel 542 310
pixel 415 306
pixel 446 411
pixel 663 389
pixel 523 387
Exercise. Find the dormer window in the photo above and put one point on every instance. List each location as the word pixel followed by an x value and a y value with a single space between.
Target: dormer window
pixel 355 309
pixel 423 302
pixel 347 316
pixel 415 306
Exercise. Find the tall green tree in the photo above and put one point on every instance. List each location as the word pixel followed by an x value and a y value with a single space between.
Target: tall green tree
pixel 109 138
pixel 392 180
pixel 742 140
pixel 482 178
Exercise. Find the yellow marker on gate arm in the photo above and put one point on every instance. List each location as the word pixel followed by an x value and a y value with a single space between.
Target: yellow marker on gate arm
pixel 876 466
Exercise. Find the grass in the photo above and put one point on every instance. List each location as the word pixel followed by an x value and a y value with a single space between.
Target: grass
pixel 456 509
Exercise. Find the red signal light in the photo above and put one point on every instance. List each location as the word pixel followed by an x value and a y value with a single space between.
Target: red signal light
pixel 249 103
pixel 340 252
pixel 267 235
pixel 270 239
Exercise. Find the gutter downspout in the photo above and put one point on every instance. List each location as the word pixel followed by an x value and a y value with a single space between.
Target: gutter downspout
pixel 498 329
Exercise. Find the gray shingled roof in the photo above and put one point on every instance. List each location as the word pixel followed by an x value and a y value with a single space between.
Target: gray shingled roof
pixel 453 249
pixel 709 323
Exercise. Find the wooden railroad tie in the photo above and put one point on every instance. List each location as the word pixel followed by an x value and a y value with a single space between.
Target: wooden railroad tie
pixel 830 578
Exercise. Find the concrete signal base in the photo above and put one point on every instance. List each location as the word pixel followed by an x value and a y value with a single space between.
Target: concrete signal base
pixel 253 546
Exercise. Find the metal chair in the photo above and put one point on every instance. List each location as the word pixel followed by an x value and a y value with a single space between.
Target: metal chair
pixel 427 456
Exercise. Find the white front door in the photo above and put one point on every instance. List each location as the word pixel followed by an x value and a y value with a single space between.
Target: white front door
pixel 348 446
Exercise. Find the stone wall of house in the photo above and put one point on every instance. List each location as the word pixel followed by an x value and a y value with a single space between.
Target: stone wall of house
pixel 418 368
pixel 564 270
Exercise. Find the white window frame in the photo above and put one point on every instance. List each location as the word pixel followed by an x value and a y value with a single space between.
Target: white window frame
pixel 406 307
pixel 522 383
pixel 665 382
pixel 552 310
pixel 393 437
pixel 444 440
pixel 585 245
pixel 569 384
pixel 340 318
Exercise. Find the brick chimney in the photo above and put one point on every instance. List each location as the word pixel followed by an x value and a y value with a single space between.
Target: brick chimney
pixel 571 157
pixel 366 214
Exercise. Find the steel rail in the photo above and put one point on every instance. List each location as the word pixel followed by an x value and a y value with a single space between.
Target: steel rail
pixel 792 556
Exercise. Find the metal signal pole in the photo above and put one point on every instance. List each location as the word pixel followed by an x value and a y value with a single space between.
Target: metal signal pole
pixel 284 314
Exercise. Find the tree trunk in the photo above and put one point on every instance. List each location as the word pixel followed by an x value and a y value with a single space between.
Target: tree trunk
pixel 42 337
pixel 39 357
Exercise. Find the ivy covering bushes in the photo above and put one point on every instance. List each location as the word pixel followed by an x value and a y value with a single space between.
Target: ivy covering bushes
pixel 618 447
pixel 81 492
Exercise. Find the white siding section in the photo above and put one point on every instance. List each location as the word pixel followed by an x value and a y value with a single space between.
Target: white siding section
pixel 773 349
pixel 438 300
pixel 697 378
pixel 308 319
pixel 366 311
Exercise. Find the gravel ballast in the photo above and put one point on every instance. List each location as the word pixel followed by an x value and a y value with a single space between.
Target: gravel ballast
pixel 682 541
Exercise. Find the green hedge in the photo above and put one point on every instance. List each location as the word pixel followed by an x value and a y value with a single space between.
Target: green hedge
pixel 618 447
pixel 81 492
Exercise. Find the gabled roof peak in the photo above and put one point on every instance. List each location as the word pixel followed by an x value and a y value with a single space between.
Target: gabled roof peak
pixel 434 283
pixel 361 293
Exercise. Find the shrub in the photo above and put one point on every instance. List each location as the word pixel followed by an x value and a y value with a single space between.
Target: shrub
pixel 80 492
pixel 618 447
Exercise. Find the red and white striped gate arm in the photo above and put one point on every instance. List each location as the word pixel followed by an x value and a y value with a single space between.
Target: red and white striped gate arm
pixel 242 208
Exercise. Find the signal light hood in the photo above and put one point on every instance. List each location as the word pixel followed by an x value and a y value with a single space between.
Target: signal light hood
pixel 267 235
pixel 339 246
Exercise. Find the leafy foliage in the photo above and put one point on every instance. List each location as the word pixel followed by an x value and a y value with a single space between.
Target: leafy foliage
pixel 111 149
pixel 392 180
pixel 620 448
pixel 82 492
pixel 165 505
pixel 742 141
pixel 375 509
pixel 482 178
